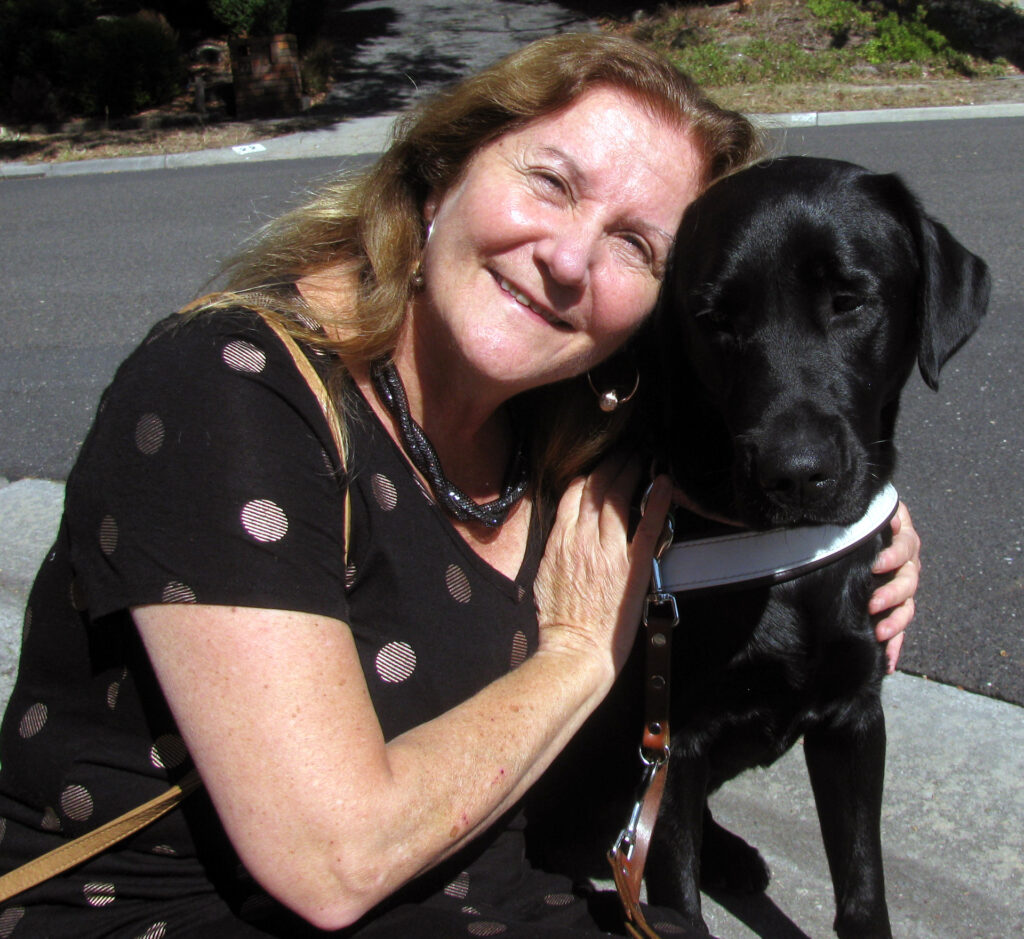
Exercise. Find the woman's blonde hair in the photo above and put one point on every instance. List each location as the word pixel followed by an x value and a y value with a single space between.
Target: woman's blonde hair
pixel 369 227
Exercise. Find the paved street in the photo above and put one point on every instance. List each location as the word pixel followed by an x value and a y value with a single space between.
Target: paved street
pixel 89 262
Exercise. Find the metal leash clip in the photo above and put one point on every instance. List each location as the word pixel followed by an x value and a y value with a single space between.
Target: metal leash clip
pixel 657 596
pixel 627 839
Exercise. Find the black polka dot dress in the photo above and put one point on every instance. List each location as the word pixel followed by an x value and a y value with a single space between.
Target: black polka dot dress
pixel 210 476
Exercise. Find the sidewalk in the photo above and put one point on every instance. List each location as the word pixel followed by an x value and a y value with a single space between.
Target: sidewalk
pixel 367 135
pixel 953 827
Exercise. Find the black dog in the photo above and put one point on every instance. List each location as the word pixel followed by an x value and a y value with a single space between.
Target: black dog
pixel 800 294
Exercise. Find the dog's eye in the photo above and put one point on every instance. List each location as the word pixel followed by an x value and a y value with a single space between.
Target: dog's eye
pixel 846 302
pixel 712 318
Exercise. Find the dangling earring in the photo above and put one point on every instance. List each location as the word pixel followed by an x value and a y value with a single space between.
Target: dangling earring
pixel 417 279
pixel 609 400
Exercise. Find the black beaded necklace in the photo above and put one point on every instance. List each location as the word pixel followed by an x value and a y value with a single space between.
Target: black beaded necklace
pixel 389 388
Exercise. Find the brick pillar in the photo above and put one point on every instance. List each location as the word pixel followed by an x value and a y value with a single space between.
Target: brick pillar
pixel 266 76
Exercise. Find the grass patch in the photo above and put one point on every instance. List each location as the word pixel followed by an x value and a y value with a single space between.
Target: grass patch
pixel 810 42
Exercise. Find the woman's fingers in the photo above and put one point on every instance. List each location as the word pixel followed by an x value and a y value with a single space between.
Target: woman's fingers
pixel 895 597
pixel 593 579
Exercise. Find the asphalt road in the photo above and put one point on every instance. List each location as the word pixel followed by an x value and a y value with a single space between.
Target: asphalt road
pixel 89 263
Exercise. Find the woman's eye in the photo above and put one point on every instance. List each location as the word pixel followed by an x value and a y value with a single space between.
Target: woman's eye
pixel 551 181
pixel 638 246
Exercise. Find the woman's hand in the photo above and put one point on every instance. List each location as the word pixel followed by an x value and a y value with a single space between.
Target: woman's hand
pixel 592 580
pixel 896 596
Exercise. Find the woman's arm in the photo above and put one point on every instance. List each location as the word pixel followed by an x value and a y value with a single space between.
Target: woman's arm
pixel 903 557
pixel 275 711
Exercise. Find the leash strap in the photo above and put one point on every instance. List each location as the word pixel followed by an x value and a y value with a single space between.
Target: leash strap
pixel 628 856
pixel 74 852
pixel 737 558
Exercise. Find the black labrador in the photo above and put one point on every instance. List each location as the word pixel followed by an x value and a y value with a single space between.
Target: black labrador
pixel 800 293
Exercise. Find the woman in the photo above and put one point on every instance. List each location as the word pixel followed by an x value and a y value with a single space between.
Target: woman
pixel 367 710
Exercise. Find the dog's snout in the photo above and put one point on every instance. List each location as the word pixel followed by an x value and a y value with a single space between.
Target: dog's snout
pixel 799 475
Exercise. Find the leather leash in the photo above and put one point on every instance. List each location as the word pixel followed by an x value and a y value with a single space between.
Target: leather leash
pixel 628 856
pixel 710 563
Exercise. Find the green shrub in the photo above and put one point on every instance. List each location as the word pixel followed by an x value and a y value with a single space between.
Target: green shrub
pixel 252 17
pixel 34 37
pixel 906 40
pixel 841 17
pixel 316 65
pixel 120 66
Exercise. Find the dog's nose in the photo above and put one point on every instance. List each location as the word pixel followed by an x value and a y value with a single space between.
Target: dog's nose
pixel 803 475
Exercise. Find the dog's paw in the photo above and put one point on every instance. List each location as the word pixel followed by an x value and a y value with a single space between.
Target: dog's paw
pixel 728 863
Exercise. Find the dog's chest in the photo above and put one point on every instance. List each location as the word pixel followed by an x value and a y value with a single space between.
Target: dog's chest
pixel 755 669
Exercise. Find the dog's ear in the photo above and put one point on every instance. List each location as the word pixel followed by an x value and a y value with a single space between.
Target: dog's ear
pixel 952 298
pixel 953 291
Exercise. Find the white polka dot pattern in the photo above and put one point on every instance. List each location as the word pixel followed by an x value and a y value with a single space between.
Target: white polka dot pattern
pixel 3 829
pixel 457 582
pixel 177 592
pixel 395 662
pixel 384 491
pixel 97 894
pixel 165 850
pixel 26 625
pixel 559 899
pixel 51 820
pixel 149 434
pixel 33 721
pixel 487 928
pixel 244 356
pixel 470 911
pixel 9 919
pixel 113 690
pixel 76 803
pixel 156 931
pixel 264 520
pixel 519 649
pixel 459 887
pixel 168 751
pixel 108 535
pixel 350 575
pixel 668 929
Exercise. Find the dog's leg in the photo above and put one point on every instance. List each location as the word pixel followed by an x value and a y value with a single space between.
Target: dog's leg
pixel 673 869
pixel 728 863
pixel 846 766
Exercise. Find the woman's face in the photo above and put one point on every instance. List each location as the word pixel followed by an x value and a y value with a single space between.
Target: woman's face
pixel 548 251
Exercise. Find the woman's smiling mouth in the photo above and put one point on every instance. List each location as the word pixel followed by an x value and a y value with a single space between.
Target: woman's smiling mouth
pixel 524 300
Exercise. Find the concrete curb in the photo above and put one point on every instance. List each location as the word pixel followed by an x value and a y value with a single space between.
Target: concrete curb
pixel 370 135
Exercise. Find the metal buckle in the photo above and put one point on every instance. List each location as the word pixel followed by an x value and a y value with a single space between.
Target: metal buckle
pixel 657 595
pixel 627 837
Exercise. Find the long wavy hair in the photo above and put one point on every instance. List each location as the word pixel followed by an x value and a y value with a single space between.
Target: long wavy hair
pixel 368 228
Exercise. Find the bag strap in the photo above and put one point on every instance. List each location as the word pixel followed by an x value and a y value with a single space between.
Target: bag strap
pixel 323 397
pixel 85 846
pixel 74 852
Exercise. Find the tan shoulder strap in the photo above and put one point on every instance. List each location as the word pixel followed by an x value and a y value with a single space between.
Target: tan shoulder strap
pixel 80 849
pixel 323 398
pixel 72 853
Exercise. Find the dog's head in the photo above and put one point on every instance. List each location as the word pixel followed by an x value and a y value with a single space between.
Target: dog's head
pixel 799 295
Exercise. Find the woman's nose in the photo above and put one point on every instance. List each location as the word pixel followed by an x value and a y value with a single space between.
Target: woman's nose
pixel 568 254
